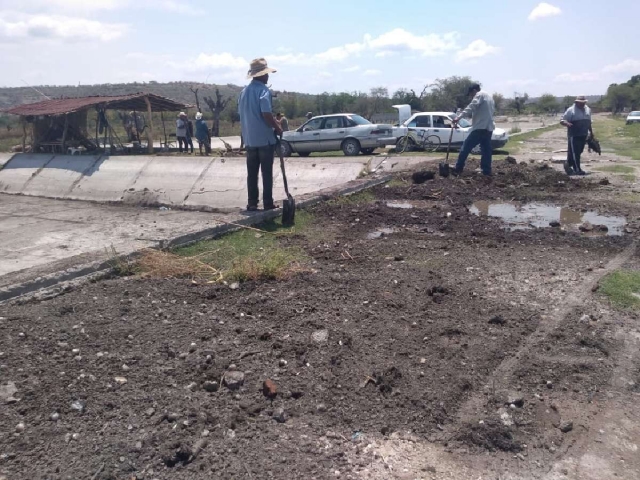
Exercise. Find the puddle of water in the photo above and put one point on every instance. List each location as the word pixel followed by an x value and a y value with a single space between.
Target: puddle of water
pixel 405 206
pixel 540 215
pixel 380 233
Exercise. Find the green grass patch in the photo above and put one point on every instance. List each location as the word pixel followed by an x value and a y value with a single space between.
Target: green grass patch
pixel 631 197
pixel 617 137
pixel 514 146
pixel 621 169
pixel 364 196
pixel 622 287
pixel 247 254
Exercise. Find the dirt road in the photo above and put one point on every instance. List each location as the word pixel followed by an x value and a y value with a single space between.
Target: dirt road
pixel 420 341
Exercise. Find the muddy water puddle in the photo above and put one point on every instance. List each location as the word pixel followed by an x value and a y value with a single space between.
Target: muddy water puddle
pixel 540 215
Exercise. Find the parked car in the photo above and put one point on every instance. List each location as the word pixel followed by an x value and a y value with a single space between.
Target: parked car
pixel 348 132
pixel 424 124
pixel 633 117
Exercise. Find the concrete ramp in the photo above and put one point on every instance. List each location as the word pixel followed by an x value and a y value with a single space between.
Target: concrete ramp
pixel 189 181
pixel 4 158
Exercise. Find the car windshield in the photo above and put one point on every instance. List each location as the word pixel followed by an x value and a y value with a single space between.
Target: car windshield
pixel 634 114
pixel 358 120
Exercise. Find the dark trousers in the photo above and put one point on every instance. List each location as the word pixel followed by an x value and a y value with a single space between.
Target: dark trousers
pixel 477 137
pixel 260 159
pixel 189 141
pixel 574 151
pixel 207 145
pixel 181 141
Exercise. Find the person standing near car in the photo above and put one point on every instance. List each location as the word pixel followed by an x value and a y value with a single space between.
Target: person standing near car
pixel 577 119
pixel 259 131
pixel 481 111
pixel 284 123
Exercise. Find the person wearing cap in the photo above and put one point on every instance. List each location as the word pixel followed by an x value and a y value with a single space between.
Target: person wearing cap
pixel 181 131
pixel 480 111
pixel 202 134
pixel 259 132
pixel 577 119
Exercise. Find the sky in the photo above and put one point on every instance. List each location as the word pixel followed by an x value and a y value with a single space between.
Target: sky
pixel 564 47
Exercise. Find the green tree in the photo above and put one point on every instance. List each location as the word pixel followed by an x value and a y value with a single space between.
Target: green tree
pixel 379 100
pixel 548 103
pixel 567 101
pixel 498 100
pixel 403 96
pixel 447 94
pixel 620 97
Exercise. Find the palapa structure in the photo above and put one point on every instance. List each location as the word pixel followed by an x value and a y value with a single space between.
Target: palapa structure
pixel 62 123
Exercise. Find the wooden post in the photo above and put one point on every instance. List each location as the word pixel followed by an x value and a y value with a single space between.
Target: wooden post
pixel 64 133
pixel 24 136
pixel 150 126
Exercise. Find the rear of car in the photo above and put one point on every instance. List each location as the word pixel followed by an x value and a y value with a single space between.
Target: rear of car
pixel 633 117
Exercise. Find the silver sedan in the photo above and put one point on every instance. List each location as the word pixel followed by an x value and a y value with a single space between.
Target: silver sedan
pixel 344 131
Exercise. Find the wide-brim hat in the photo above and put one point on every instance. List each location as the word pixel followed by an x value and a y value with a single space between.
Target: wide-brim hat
pixel 581 99
pixel 198 116
pixel 258 67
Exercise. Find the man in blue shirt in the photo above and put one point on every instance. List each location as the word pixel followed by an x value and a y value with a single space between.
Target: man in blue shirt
pixel 577 119
pixel 259 130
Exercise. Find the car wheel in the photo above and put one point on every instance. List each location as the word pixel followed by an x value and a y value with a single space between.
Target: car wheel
pixel 285 148
pixel 304 154
pixel 351 147
pixel 367 151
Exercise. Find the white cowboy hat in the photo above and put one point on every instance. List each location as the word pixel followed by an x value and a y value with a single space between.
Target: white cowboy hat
pixel 258 67
pixel 581 99
pixel 198 116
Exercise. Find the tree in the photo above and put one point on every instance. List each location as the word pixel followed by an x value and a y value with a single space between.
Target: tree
pixel 447 94
pixel 498 100
pixel 380 99
pixel 519 102
pixel 620 97
pixel 403 96
pixel 567 101
pixel 216 107
pixel 548 103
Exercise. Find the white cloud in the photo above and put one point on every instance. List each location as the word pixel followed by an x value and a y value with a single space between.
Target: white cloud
pixel 626 66
pixel 82 7
pixel 476 49
pixel 57 27
pixel 577 77
pixel 544 10
pixel 325 74
pixel 214 61
pixel 371 73
pixel 400 40
pixel 355 68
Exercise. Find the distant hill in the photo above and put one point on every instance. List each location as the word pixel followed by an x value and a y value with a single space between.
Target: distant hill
pixel 175 90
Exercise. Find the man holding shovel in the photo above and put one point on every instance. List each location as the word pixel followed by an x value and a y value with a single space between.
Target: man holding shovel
pixel 258 125
pixel 481 111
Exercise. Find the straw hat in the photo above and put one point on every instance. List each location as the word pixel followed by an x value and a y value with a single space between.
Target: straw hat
pixel 581 99
pixel 258 67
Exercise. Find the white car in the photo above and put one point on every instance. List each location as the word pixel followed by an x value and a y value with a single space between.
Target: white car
pixel 348 132
pixel 633 117
pixel 424 124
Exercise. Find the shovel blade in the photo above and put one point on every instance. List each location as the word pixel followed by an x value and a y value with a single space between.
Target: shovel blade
pixel 289 212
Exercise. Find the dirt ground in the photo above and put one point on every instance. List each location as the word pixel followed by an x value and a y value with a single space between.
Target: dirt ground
pixel 418 343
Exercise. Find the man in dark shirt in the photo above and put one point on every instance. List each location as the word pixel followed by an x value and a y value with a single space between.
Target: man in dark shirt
pixel 577 119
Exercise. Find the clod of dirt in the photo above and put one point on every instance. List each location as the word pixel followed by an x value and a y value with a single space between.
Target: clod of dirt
pixel 182 453
pixel 555 224
pixel 233 379
pixel 566 427
pixel 7 393
pixel 210 386
pixel 497 320
pixel 604 181
pixel 511 160
pixel 423 176
pixel 269 389
pixel 491 435
pixel 320 336
pixel 602 228
pixel 387 380
pixel 78 406
pixel 586 227
pixel 279 415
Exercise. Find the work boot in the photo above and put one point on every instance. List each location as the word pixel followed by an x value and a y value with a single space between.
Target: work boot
pixel 582 173
pixel 456 172
pixel 271 207
pixel 568 169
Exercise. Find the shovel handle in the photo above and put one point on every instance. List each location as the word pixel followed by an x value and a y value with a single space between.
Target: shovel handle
pixel 284 174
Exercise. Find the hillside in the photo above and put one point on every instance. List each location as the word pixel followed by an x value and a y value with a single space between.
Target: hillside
pixel 175 90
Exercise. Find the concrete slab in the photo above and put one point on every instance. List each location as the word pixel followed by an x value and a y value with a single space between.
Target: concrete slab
pixel 59 176
pixel 4 158
pixel 20 170
pixel 109 178
pixel 167 180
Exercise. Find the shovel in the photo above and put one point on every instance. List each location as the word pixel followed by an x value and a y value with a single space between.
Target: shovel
pixel 288 205
pixel 444 166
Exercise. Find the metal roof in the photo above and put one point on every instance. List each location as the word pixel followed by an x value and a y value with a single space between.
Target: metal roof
pixel 135 101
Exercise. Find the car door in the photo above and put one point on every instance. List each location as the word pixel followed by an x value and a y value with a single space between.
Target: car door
pixel 307 137
pixel 442 125
pixel 420 126
pixel 332 133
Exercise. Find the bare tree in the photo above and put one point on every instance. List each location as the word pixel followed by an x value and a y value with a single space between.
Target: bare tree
pixel 195 92
pixel 216 107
